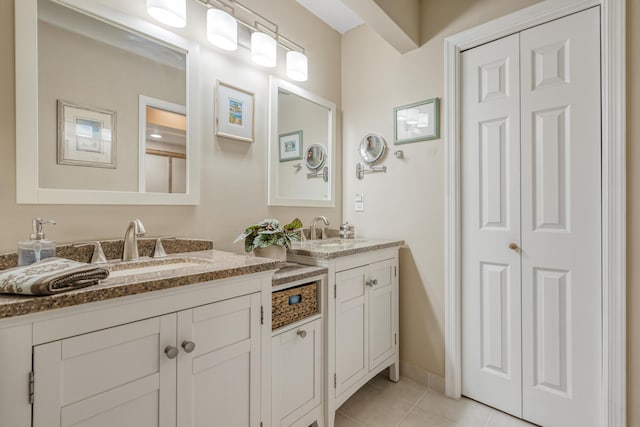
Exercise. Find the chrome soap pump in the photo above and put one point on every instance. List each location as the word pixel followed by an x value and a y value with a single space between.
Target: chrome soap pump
pixel 37 247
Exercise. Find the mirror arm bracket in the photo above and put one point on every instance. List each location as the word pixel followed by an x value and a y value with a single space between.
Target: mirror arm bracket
pixel 361 169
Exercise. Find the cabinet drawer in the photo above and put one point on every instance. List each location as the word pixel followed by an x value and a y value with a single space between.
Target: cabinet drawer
pixel 293 304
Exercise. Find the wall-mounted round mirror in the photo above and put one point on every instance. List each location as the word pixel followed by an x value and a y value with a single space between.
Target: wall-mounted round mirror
pixel 315 156
pixel 372 148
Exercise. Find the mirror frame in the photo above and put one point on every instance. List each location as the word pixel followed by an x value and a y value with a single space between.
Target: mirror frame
pixel 273 198
pixel 26 52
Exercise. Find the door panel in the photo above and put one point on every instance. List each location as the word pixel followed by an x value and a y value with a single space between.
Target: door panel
pixel 561 221
pixel 381 313
pixel 490 221
pixel 117 374
pixel 352 339
pixel 220 380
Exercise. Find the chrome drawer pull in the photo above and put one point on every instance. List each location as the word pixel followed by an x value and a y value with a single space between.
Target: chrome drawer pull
pixel 171 352
pixel 302 333
pixel 188 346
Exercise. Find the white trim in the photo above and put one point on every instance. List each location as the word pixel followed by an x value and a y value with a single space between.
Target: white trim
pixel 613 190
pixel 26 43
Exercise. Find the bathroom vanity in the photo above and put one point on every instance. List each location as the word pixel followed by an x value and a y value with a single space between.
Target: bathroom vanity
pixel 149 346
pixel 361 312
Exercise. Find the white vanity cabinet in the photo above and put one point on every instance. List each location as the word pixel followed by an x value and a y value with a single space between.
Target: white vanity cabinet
pixel 366 309
pixel 197 355
pixel 361 321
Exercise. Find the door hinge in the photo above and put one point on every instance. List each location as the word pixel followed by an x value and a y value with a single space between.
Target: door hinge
pixel 395 338
pixel 260 423
pixel 335 291
pixel 395 271
pixel 262 315
pixel 31 387
pixel 335 381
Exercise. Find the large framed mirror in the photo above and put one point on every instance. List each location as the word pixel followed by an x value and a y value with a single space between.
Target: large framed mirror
pixel 103 102
pixel 299 121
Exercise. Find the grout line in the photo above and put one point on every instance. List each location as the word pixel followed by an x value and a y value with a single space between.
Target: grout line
pixel 486 424
pixel 413 406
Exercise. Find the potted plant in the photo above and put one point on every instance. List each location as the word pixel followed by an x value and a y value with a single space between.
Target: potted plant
pixel 270 240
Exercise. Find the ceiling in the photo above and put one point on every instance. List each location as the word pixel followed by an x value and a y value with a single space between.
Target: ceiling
pixel 334 13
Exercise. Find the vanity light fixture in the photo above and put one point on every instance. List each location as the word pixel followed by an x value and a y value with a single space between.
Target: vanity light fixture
pixel 222 29
pixel 223 18
pixel 297 66
pixel 170 12
pixel 263 49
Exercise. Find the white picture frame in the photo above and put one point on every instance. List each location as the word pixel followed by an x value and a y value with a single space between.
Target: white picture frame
pixel 234 112
pixel 86 136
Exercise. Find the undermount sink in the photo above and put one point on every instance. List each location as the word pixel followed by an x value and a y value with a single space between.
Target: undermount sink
pixel 152 266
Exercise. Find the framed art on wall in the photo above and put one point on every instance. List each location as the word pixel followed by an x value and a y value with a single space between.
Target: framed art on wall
pixel 86 136
pixel 415 122
pixel 234 112
pixel 291 146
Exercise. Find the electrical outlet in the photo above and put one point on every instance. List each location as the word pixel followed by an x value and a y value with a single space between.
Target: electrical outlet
pixel 359 202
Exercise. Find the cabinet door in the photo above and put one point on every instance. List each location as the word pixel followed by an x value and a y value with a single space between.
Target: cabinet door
pixel 114 377
pixel 351 319
pixel 296 367
pixel 382 301
pixel 219 381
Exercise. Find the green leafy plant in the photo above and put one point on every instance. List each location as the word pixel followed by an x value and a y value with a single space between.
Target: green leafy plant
pixel 269 233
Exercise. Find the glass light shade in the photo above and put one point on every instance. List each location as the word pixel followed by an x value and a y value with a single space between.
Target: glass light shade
pixel 297 66
pixel 263 49
pixel 170 12
pixel 222 29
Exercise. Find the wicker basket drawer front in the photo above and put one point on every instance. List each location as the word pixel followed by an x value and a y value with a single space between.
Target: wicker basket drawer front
pixel 291 305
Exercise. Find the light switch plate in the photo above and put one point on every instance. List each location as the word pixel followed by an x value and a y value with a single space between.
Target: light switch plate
pixel 359 202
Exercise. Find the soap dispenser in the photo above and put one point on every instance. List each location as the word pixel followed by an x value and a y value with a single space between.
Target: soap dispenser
pixel 36 248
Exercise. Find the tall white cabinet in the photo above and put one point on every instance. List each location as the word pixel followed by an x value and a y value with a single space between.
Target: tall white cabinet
pixel 531 222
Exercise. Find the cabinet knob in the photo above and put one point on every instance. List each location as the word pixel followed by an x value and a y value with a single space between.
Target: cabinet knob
pixel 374 282
pixel 302 333
pixel 171 352
pixel 513 246
pixel 188 346
pixel 368 283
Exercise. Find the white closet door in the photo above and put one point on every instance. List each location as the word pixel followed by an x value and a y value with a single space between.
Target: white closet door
pixel 561 221
pixel 491 347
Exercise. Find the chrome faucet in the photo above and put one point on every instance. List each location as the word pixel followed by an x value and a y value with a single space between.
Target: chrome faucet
pixel 134 230
pixel 312 231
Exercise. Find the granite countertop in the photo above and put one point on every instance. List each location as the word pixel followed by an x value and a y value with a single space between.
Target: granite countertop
pixel 202 266
pixel 293 272
pixel 336 248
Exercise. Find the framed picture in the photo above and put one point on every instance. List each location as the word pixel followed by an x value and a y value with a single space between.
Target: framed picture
pixel 415 122
pixel 234 112
pixel 86 136
pixel 291 146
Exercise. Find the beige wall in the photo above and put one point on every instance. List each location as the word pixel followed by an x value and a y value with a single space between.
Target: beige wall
pixel 407 202
pixel 234 174
pixel 633 213
pixel 405 14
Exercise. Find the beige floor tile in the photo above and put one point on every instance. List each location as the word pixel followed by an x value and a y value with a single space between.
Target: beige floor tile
pixel 403 389
pixel 500 419
pixel 343 421
pixel 464 412
pixel 375 407
pixel 419 418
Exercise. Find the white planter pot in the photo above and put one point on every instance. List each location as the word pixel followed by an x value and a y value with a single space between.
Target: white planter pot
pixel 273 252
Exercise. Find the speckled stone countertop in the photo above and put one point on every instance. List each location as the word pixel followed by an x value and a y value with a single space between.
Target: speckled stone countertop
pixel 190 268
pixel 336 248
pixel 293 272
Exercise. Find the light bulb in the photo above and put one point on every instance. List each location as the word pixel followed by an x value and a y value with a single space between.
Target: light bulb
pixel 222 29
pixel 170 12
pixel 297 66
pixel 263 49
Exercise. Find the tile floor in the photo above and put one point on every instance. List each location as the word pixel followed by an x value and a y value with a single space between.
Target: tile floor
pixel 382 403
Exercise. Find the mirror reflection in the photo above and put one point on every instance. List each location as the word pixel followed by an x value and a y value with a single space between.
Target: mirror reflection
pixel 92 78
pixel 302 135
